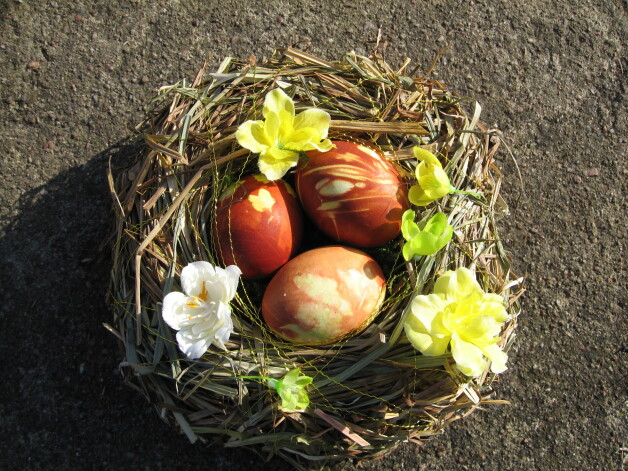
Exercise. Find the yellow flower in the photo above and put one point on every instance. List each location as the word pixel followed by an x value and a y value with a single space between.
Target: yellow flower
pixel 459 315
pixel 433 182
pixel 281 137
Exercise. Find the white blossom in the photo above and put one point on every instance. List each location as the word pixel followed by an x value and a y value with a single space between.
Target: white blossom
pixel 202 314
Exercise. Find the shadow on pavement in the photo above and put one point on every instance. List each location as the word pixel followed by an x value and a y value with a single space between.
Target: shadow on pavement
pixel 63 397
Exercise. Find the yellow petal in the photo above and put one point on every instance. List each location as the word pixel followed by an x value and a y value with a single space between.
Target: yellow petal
pixel 417 196
pixel 251 136
pixel 323 146
pixel 272 128
pixel 426 309
pixel 425 343
pixel 480 331
pixel 493 305
pixel 426 156
pixel 279 104
pixel 469 358
pixel 317 120
pixel 435 179
pixel 423 325
pixel 456 285
pixel 274 163
pixel 301 139
pixel 498 358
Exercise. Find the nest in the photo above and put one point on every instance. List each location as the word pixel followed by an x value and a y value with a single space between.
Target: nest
pixel 370 392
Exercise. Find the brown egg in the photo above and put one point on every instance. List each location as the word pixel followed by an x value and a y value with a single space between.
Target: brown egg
pixel 324 295
pixel 353 194
pixel 258 225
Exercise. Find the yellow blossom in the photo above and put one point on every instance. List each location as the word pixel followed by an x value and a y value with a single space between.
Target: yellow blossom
pixel 433 182
pixel 281 137
pixel 461 316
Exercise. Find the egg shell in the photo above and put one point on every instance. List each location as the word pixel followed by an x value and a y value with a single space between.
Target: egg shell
pixel 353 194
pixel 324 295
pixel 259 225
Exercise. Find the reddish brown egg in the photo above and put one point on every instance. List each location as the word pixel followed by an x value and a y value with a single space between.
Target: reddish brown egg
pixel 353 194
pixel 324 295
pixel 258 225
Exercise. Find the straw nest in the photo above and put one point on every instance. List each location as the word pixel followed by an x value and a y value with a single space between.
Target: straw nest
pixel 370 392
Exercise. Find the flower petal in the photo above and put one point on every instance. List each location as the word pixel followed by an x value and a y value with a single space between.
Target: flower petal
pixel 407 251
pixel 194 275
pixel 435 183
pixel 232 277
pixel 493 305
pixel 498 358
pixel 193 346
pixel 301 139
pixel 480 331
pixel 221 337
pixel 315 119
pixel 424 327
pixel 417 196
pixel 172 309
pixel 468 357
pixel 427 344
pixel 272 129
pixel 278 103
pixel 455 285
pixel 409 228
pixel 251 136
pixel 275 163
pixel 323 146
pixel 426 156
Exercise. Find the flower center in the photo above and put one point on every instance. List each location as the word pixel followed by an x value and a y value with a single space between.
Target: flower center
pixel 198 300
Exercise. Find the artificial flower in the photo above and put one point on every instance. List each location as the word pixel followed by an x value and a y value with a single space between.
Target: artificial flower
pixel 291 390
pixel 202 314
pixel 461 316
pixel 281 137
pixel 433 182
pixel 427 240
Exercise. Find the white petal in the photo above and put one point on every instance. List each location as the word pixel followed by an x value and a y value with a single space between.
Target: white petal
pixel 173 307
pixel 192 346
pixel 193 275
pixel 233 274
pixel 221 337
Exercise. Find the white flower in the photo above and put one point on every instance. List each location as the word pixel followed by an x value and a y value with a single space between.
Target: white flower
pixel 202 315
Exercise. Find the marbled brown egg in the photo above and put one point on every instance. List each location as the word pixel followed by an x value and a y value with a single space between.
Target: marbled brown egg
pixel 324 295
pixel 258 225
pixel 353 194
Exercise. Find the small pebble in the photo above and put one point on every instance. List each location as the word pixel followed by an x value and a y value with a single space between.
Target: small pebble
pixel 592 172
pixel 577 179
pixel 90 68
pixel 32 65
pixel 48 145
pixel 195 22
pixel 144 79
